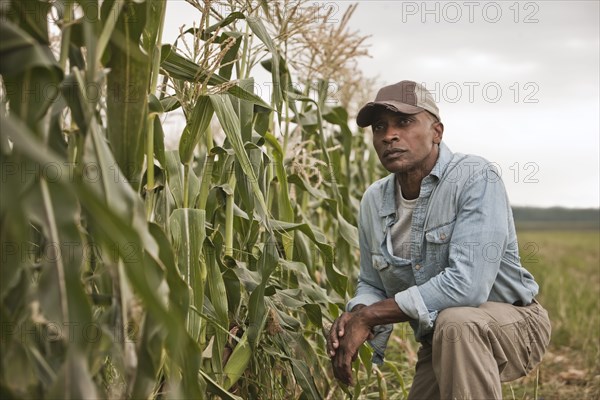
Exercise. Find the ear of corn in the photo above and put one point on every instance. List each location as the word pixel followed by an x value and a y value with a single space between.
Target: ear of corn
pixel 238 362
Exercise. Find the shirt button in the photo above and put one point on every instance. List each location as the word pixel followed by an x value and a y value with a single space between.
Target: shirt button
pixel 418 267
pixel 443 236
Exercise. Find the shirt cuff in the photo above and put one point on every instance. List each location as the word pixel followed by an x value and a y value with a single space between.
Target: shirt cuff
pixel 379 342
pixel 367 299
pixel 411 303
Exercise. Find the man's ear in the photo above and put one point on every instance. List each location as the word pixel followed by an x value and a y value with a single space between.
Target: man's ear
pixel 438 127
pixel 439 132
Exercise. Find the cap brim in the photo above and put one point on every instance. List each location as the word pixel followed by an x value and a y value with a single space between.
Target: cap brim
pixel 366 114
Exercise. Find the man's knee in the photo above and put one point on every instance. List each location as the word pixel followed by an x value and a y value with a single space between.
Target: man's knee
pixel 459 323
pixel 458 315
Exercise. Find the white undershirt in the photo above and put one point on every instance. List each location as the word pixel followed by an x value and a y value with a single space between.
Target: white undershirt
pixel 401 229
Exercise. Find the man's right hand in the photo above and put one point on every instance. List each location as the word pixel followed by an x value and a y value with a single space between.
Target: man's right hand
pixel 338 329
pixel 347 334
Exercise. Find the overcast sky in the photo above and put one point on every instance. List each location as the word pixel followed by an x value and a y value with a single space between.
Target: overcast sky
pixel 516 82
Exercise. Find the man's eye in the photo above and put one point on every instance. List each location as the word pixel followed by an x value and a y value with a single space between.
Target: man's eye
pixel 377 127
pixel 404 121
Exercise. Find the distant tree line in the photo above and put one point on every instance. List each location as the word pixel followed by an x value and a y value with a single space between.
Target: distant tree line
pixel 557 218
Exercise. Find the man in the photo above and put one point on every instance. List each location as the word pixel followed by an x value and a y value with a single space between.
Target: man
pixel 438 249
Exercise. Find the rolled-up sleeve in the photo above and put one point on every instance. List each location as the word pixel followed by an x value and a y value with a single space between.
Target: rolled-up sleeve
pixel 411 303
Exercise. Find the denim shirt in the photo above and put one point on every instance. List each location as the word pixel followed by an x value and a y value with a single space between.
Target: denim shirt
pixel 463 247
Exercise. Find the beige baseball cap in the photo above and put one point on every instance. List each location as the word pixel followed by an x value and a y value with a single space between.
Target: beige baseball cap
pixel 407 97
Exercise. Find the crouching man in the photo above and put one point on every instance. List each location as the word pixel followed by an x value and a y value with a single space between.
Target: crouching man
pixel 438 249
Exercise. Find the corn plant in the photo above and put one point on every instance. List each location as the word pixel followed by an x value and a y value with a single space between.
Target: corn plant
pixel 134 271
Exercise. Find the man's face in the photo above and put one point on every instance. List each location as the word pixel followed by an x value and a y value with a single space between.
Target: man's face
pixel 406 142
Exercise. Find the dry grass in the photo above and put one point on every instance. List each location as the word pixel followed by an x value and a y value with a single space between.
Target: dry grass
pixel 566 264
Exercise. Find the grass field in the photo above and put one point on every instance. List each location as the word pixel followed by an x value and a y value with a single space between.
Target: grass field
pixel 566 264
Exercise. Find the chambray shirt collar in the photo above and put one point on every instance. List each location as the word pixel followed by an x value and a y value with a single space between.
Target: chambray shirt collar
pixel 388 201
pixel 444 159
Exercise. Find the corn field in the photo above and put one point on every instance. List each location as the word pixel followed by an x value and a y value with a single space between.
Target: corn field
pixel 211 270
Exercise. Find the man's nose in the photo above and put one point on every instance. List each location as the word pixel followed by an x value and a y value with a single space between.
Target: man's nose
pixel 391 135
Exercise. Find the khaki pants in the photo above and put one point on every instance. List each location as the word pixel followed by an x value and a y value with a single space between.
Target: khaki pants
pixel 473 349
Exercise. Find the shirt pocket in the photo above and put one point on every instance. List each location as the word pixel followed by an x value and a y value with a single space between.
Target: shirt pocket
pixel 394 278
pixel 437 245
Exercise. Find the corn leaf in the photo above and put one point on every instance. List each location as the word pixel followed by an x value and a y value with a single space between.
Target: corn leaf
pixel 305 379
pixel 20 52
pixel 218 296
pixel 231 125
pixel 257 309
pixel 286 213
pixel 188 231
pixel 348 231
pixel 29 71
pixel 176 179
pixel 127 87
pixel 217 389
pixel 260 31
pixel 228 61
pixel 159 143
pixel 74 380
pixel 200 120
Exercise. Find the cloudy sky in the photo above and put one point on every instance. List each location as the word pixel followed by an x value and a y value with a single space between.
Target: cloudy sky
pixel 516 82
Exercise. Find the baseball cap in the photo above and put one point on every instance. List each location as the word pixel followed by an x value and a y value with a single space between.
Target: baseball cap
pixel 407 97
